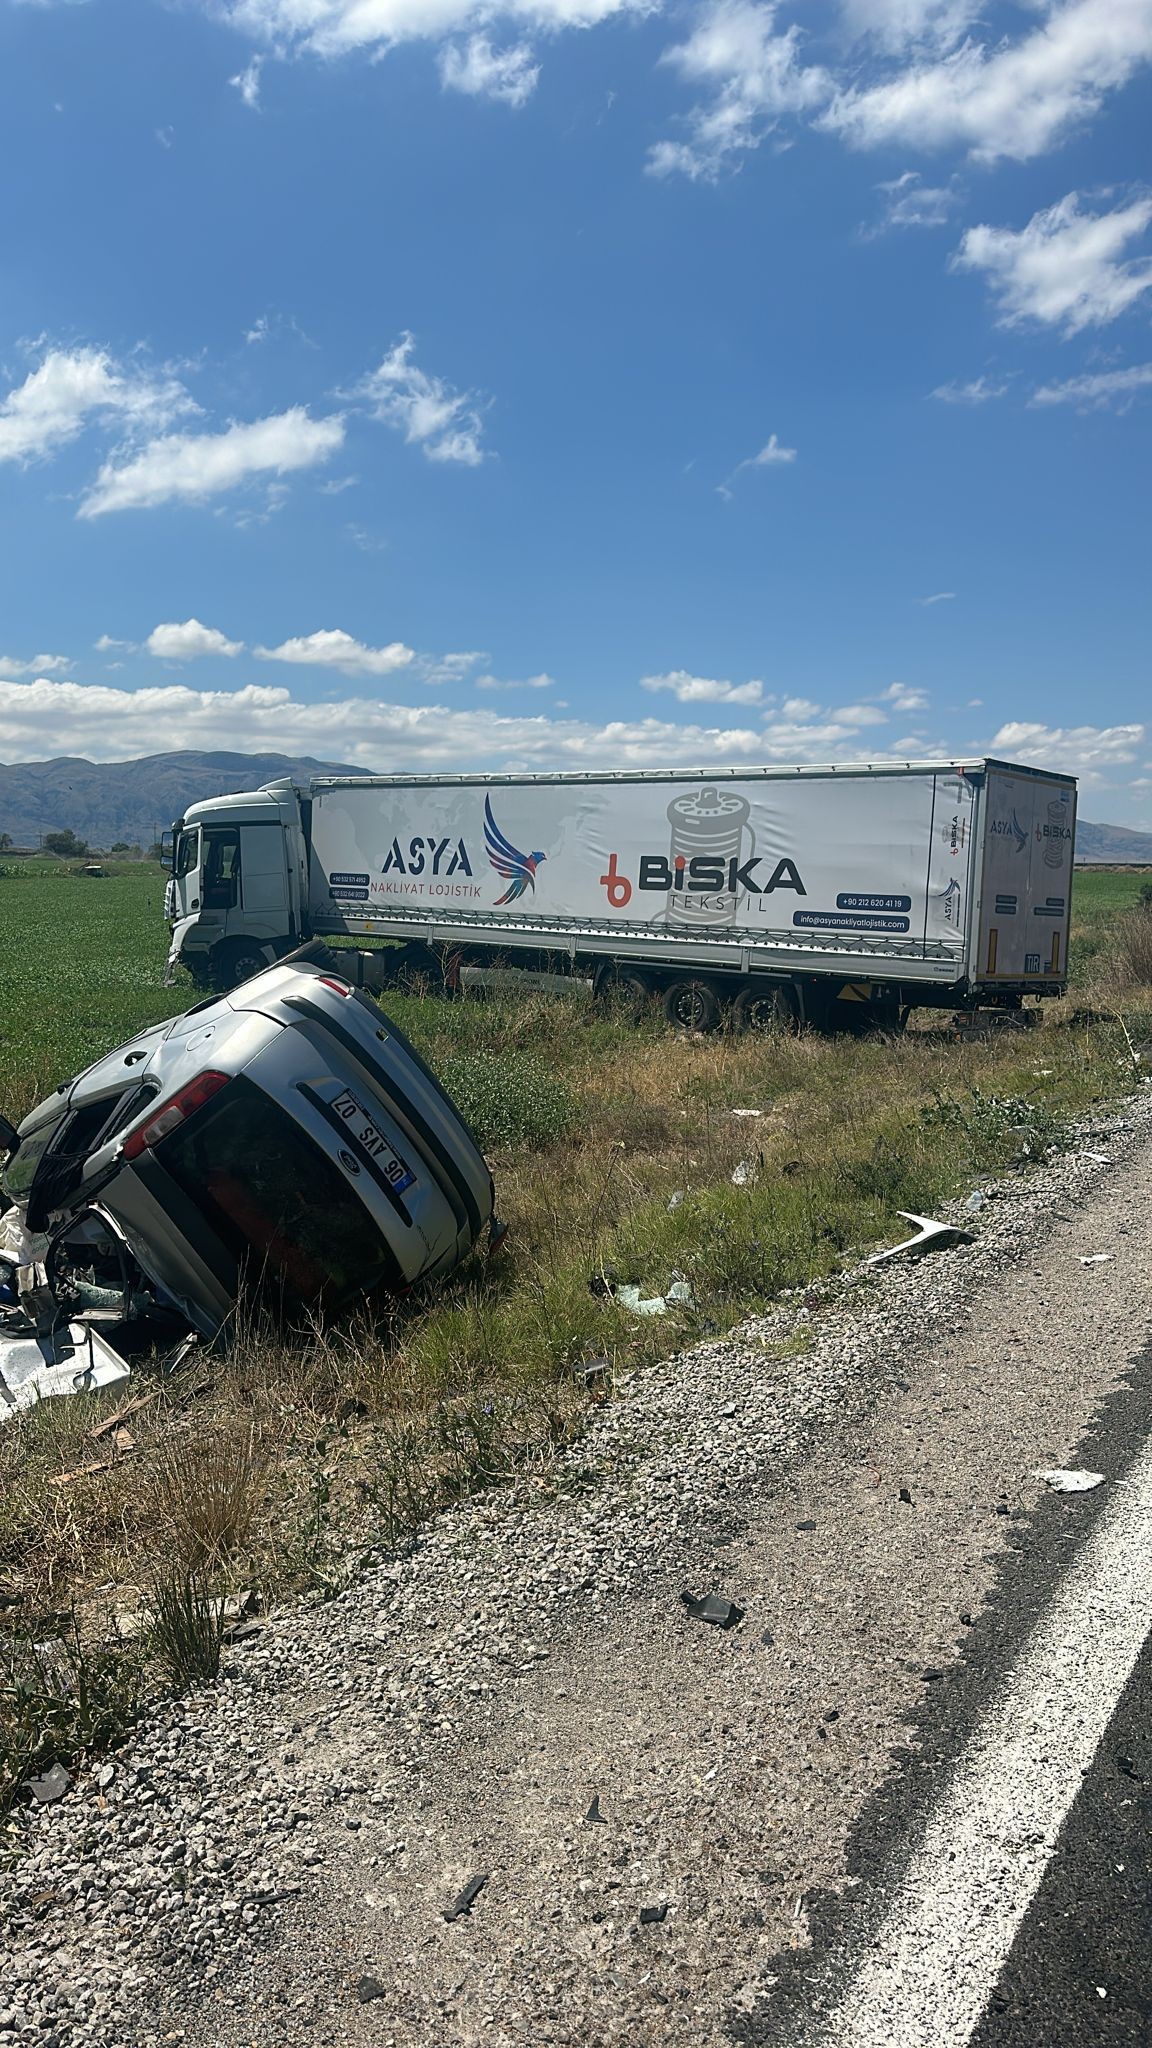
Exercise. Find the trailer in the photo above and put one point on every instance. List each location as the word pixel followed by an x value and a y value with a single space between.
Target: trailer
pixel 817 894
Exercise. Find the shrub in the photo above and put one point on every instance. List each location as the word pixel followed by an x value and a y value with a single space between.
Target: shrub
pixel 187 1630
pixel 509 1098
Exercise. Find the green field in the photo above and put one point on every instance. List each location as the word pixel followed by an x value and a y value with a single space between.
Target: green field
pixel 613 1147
pixel 82 965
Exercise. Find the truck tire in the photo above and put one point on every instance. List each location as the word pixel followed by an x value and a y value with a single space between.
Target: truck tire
pixel 765 1007
pixel 692 1005
pixel 235 962
pixel 625 990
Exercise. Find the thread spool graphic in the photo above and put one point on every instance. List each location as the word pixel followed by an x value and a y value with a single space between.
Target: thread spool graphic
pixel 1057 824
pixel 711 822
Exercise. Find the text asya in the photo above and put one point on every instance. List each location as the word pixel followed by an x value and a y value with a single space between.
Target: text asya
pixel 426 854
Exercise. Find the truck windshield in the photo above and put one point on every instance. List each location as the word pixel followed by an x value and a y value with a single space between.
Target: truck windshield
pixel 283 1209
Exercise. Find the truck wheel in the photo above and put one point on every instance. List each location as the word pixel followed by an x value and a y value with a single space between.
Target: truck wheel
pixel 236 963
pixel 624 990
pixel 692 1006
pixel 764 1009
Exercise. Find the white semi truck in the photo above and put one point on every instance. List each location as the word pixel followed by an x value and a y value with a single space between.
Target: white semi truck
pixel 813 894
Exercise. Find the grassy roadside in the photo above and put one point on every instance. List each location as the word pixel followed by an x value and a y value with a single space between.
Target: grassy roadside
pixel 280 1466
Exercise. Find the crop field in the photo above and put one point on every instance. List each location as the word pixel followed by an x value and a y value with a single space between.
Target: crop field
pixel 617 1151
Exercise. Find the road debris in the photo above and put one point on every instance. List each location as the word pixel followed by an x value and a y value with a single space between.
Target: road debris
pixel 594 1814
pixel 679 1295
pixel 712 1608
pixel 931 1235
pixel 1097 1258
pixel 368 1988
pixel 651 1916
pixel 1062 1481
pixel 906 1497
pixel 50 1786
pixel 746 1172
pixel 468 1897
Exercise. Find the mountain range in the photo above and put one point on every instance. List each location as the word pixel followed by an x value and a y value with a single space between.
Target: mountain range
pixel 134 801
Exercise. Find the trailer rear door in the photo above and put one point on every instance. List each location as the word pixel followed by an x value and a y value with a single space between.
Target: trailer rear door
pixel 1026 893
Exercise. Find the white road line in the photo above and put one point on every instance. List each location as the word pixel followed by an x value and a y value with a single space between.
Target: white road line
pixel 955 1913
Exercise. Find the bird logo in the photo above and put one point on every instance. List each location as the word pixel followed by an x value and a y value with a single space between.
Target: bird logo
pixel 515 868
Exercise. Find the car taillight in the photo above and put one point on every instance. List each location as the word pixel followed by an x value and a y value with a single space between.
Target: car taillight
pixel 174 1111
pixel 339 988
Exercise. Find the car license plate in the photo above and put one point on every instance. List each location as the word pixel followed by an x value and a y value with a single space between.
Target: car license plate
pixel 364 1133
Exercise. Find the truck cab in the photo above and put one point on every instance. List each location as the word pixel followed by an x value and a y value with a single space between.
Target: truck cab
pixel 235 892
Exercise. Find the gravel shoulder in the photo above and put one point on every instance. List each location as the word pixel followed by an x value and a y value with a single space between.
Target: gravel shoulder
pixel 267 1857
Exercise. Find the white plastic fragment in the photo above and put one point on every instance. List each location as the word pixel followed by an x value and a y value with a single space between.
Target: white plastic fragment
pixel 33 1368
pixel 1097 1258
pixel 1097 1158
pixel 931 1235
pixel 745 1112
pixel 679 1295
pixel 744 1173
pixel 1070 1482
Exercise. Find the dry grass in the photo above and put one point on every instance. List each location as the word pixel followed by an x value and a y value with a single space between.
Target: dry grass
pixel 283 1463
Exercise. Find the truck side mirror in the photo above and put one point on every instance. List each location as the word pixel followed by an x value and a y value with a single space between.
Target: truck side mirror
pixel 9 1138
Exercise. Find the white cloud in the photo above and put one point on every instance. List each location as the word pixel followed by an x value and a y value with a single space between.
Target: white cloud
pixel 475 67
pixel 540 682
pixel 40 665
pixel 1013 100
pixel 106 723
pixel 331 27
pixel 106 644
pixel 1105 387
pixel 189 641
pixel 909 203
pixel 1089 751
pixel 247 83
pixel 894 26
pixel 754 76
pixel 69 388
pixel 769 457
pixel 938 597
pixel 902 698
pixel 1063 269
pixel 978 392
pixel 451 668
pixel 193 467
pixel 689 689
pixel 336 649
pixel 444 422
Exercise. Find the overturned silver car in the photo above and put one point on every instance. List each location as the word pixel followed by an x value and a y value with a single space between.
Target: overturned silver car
pixel 285 1141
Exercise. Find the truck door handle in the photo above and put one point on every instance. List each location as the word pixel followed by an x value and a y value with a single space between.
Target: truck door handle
pixel 195 905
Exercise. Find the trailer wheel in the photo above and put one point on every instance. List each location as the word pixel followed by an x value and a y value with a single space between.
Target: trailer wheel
pixel 623 989
pixel 232 964
pixel 692 1005
pixel 763 1009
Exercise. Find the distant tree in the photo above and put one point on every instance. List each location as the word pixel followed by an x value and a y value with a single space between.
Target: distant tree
pixel 120 846
pixel 5 841
pixel 156 850
pixel 65 845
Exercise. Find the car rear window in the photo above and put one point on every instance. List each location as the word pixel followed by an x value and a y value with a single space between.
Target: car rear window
pixel 284 1210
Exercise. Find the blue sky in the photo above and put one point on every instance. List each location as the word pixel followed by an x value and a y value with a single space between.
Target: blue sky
pixel 425 384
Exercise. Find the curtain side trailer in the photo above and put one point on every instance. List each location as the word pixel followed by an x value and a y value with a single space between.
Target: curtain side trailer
pixel 811 893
